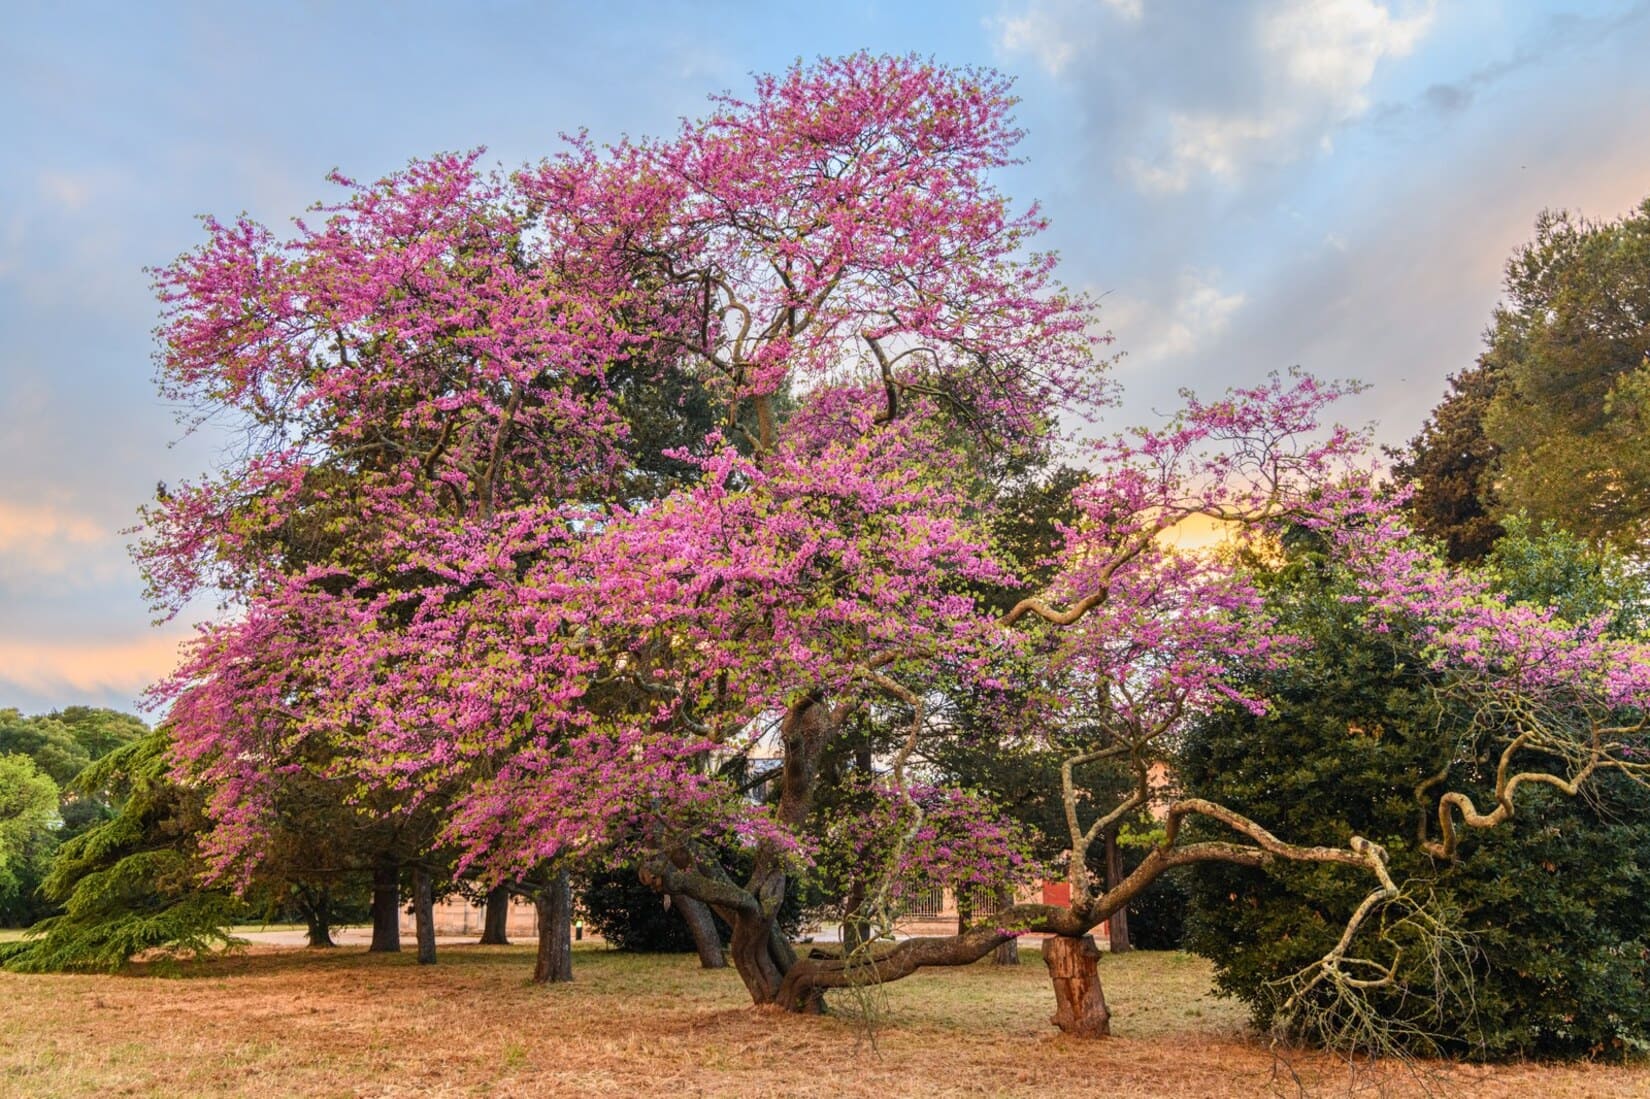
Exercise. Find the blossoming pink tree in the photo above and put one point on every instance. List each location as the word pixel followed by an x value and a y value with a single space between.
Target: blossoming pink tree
pixel 460 576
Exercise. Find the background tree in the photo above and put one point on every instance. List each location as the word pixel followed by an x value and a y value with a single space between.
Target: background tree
pixel 1572 345
pixel 61 744
pixel 28 812
pixel 1453 465
pixel 130 883
pixel 1552 419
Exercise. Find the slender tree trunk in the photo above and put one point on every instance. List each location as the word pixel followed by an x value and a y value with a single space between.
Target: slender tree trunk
pixel 1074 968
pixel 702 926
pixel 1009 952
pixel 424 913
pixel 1118 923
pixel 386 908
pixel 554 903
pixel 495 923
pixel 854 929
pixel 318 918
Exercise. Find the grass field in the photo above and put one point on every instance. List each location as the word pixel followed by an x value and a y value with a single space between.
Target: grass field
pixel 272 1022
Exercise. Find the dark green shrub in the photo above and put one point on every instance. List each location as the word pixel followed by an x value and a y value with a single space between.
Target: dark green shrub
pixel 1553 906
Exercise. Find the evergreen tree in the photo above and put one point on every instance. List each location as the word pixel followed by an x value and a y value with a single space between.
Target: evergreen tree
pixel 129 884
pixel 1550 906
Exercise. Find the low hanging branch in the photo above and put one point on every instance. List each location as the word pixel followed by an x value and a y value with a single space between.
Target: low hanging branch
pixel 1599 756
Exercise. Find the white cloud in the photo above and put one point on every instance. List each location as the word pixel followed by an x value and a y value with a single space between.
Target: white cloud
pixel 1331 47
pixel 1196 103
pixel 1038 35
pixel 1055 31
pixel 1188 318
pixel 66 190
pixel 1207 144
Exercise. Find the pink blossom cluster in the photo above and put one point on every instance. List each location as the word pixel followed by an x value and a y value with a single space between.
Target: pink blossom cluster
pixel 443 584
pixel 924 838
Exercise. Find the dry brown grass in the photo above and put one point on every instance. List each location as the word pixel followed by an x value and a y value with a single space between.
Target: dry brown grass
pixel 342 1023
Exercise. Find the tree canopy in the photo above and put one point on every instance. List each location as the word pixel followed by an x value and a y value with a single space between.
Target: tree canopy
pixel 466 587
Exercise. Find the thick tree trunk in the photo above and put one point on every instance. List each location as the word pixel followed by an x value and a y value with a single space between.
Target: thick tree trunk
pixel 386 908
pixel 318 919
pixel 702 926
pixel 1118 923
pixel 424 914
pixel 1074 968
pixel 495 921
pixel 758 951
pixel 752 955
pixel 554 903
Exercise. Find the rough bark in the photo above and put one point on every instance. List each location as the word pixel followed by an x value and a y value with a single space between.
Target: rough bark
pixel 424 914
pixel 495 920
pixel 751 950
pixel 316 906
pixel 554 902
pixel 318 930
pixel 386 908
pixel 1074 968
pixel 1117 925
pixel 702 926
pixel 809 977
pixel 854 929
pixel 760 953
pixel 1007 953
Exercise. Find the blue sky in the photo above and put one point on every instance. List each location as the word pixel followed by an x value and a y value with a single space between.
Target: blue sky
pixel 1329 183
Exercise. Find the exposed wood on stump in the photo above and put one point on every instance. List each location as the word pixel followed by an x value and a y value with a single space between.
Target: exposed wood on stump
pixel 554 902
pixel 386 908
pixel 1073 967
pixel 424 914
pixel 495 921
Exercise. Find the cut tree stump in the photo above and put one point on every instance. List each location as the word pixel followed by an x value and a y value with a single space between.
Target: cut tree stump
pixel 1074 967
